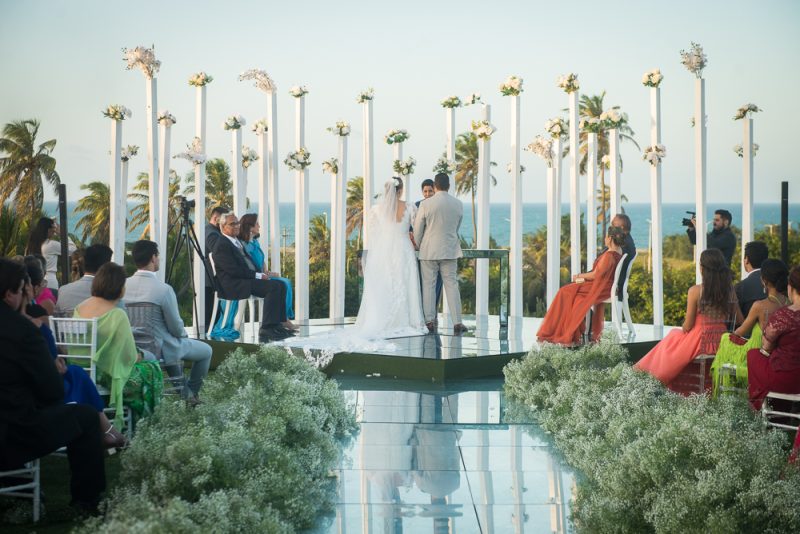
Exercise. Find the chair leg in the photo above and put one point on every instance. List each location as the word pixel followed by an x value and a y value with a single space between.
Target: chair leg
pixel 214 310
pixel 627 311
pixel 615 316
pixel 37 491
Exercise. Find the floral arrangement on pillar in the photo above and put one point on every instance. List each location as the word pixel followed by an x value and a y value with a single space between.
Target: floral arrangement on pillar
pixel 694 59
pixel 298 90
pixel 557 128
pixel 512 86
pixel 591 125
pixel 396 136
pixel 298 159
pixel 613 118
pixel 260 127
pixel 142 58
pixel 451 102
pixel 365 95
pixel 260 78
pixel 654 154
pixel 542 147
pixel 746 111
pixel 483 130
pixel 248 157
pixel 166 118
pixel 128 152
pixel 194 152
pixel 445 166
pixel 568 82
pixel 652 78
pixel 200 79
pixel 117 112
pixel 472 99
pixel 405 168
pixel 340 129
pixel 233 122
pixel 739 150
pixel 330 166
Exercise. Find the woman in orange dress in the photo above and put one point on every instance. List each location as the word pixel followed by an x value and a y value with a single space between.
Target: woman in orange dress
pixel 565 320
pixel 711 307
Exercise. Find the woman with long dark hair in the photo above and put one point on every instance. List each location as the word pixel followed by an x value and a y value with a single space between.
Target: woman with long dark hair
pixel 711 307
pixel 41 242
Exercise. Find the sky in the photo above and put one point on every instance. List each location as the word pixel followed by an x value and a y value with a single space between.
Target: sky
pixel 63 64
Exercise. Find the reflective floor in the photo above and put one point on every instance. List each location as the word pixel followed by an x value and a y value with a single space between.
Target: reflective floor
pixel 445 462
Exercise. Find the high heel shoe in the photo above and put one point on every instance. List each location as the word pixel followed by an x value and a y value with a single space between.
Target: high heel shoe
pixel 113 439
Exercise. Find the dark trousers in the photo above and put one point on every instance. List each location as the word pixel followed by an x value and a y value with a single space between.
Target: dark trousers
pixel 75 425
pixel 274 294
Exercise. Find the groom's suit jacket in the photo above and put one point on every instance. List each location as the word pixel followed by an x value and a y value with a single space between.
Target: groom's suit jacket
pixel 436 227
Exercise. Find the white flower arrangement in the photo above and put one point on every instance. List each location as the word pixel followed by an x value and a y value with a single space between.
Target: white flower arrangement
pixel 740 150
pixel 404 168
pixel 472 99
pixel 542 147
pixel 654 154
pixel 128 152
pixel 364 96
pixel 444 165
pixel 605 161
pixel 331 166
pixel 482 129
pixel 142 58
pixel 591 125
pixel 451 102
pixel 234 122
pixel 652 78
pixel 194 152
pixel 396 136
pixel 557 128
pixel 746 111
pixel 117 112
pixel 298 160
pixel 569 82
pixel 248 156
pixel 613 118
pixel 694 60
pixel 340 129
pixel 510 168
pixel 199 79
pixel 260 127
pixel 166 118
pixel 298 90
pixel 512 86
pixel 260 79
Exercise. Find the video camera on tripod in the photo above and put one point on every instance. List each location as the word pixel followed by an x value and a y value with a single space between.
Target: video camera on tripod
pixel 186 206
pixel 688 222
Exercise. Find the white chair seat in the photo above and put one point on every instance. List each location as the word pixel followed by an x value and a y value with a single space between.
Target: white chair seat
pixel 618 308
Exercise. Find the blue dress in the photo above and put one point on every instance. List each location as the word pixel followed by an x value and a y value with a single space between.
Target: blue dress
pixel 253 249
pixel 78 385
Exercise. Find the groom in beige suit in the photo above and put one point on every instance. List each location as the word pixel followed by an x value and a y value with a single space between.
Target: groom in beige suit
pixel 436 231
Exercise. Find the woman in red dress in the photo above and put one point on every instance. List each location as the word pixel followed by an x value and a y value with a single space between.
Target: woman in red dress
pixel 776 366
pixel 710 309
pixel 565 319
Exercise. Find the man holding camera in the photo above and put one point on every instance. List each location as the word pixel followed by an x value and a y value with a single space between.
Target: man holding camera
pixel 721 237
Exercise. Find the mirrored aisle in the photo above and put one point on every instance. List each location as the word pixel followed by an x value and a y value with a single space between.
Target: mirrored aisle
pixel 445 461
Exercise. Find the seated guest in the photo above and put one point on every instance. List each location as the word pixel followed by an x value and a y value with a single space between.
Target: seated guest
pixel 34 421
pixel 710 308
pixel 750 289
pixel 249 232
pixel 623 222
pixel 176 347
pixel 72 294
pixel 565 319
pixel 212 234
pixel 733 348
pixel 133 382
pixel 776 366
pixel 238 278
pixel 41 293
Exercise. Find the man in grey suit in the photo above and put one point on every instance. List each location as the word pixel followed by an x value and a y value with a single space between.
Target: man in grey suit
pixel 750 289
pixel 176 347
pixel 436 231
pixel 72 294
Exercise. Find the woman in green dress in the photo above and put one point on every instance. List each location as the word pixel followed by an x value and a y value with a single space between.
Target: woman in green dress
pixel 133 381
pixel 733 347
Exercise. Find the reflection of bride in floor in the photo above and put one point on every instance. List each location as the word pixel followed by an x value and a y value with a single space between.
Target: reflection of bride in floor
pixel 391 305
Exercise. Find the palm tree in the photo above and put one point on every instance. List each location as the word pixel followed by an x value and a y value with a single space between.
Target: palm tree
pixel 466 176
pixel 141 213
pixel 219 188
pixel 318 238
pixel 25 166
pixel 96 223
pixel 355 207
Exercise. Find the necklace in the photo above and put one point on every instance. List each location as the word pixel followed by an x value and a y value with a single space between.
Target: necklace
pixel 775 299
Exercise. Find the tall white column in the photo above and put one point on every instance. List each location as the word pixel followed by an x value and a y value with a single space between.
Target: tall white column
pixel 263 187
pixel 655 211
pixel 301 304
pixel 554 224
pixel 450 125
pixel 338 235
pixel 591 199
pixel 118 195
pixel 613 154
pixel 483 217
pixel 515 255
pixel 574 187
pixel 368 163
pixel 152 155
pixel 274 198
pixel 237 174
pixel 397 151
pixel 200 210
pixel 747 187
pixel 700 170
pixel 165 130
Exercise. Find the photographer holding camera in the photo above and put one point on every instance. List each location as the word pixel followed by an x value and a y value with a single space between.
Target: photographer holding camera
pixel 721 237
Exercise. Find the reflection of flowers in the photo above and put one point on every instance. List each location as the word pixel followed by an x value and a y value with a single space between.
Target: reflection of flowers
pixel 194 152
pixel 199 79
pixel 654 154
pixel 613 118
pixel 298 160
pixel 142 58
pixel 396 136
pixel 542 147
pixel 591 125
pixel 261 79
pixel 510 168
pixel 248 156
pixel 365 95
pixel 694 60
pixel 117 112
pixel 166 118
pixel 260 127
pixel 746 111
pixel 557 128
pixel 512 86
pixel 234 122
pixel 483 130
pixel 569 82
pixel 740 150
pixel 445 166
pixel 404 168
pixel 451 102
pixel 128 152
pixel 330 166
pixel 341 129
pixel 652 78
pixel 298 90
pixel 606 161
pixel 472 98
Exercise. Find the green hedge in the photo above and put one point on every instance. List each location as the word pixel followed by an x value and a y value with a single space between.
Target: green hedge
pixel 649 460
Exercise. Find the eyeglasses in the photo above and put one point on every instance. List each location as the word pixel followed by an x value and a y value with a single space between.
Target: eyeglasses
pixel 233 224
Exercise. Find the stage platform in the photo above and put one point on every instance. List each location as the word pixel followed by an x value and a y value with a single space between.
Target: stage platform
pixel 436 358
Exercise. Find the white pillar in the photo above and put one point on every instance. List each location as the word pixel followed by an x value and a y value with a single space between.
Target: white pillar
pixel 574 187
pixel 515 256
pixel 152 155
pixel 263 190
pixel 655 211
pixel 591 199
pixel 483 217
pixel 301 304
pixel 338 235
pixel 747 187
pixel 200 211
pixel 450 125
pixel 554 224
pixel 165 131
pixel 274 198
pixel 368 163
pixel 118 194
pixel 397 151
pixel 700 170
pixel 237 174
pixel 613 154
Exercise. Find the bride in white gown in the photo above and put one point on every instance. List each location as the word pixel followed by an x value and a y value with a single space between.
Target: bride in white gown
pixel 391 305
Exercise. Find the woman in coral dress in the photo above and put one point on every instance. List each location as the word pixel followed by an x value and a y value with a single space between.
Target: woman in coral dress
pixel 711 307
pixel 565 319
